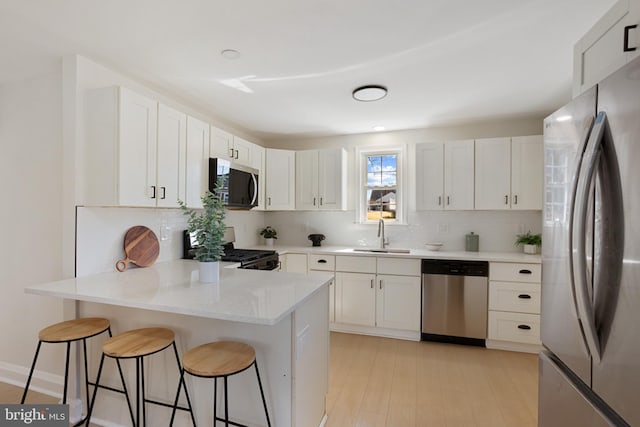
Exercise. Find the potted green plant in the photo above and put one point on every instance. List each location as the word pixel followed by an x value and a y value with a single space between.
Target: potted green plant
pixel 529 242
pixel 270 235
pixel 208 228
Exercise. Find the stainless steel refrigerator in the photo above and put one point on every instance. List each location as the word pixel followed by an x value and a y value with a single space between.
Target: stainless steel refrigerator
pixel 590 364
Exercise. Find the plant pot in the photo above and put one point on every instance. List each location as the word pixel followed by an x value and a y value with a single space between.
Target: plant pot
pixel 269 241
pixel 209 271
pixel 530 249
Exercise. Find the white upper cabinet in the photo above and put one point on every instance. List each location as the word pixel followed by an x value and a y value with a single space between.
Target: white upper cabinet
pixel 321 179
pixel 227 146
pixel 171 160
pixel 527 172
pixel 280 179
pixel 445 175
pixel 221 144
pixel 135 150
pixel 493 173
pixel 197 170
pixel 509 173
pixel 612 42
pixel 259 162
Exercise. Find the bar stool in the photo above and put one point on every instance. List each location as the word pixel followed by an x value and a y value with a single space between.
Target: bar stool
pixel 137 344
pixel 220 359
pixel 68 332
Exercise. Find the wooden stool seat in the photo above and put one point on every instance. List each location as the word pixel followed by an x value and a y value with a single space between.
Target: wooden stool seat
pixel 217 359
pixel 73 330
pixel 138 342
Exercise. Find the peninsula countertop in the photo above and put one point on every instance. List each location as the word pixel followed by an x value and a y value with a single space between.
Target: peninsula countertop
pixel 248 296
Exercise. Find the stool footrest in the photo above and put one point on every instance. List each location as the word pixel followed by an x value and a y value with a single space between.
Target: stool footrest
pixel 231 422
pixel 167 405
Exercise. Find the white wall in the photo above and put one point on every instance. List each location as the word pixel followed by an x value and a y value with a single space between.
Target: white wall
pixel 31 217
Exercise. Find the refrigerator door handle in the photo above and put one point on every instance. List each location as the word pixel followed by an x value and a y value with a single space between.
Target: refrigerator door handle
pixel 584 303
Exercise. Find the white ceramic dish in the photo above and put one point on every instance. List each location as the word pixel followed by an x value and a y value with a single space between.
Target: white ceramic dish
pixel 433 246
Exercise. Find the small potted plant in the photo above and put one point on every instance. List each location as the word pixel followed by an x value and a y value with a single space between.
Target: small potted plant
pixel 270 235
pixel 529 242
pixel 208 228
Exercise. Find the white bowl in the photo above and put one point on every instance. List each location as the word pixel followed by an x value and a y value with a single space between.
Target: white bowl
pixel 433 246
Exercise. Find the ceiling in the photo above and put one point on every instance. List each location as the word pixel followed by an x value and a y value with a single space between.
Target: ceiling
pixel 444 62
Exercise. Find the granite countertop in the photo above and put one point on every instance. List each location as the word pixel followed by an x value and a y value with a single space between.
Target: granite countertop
pixel 248 296
pixel 414 253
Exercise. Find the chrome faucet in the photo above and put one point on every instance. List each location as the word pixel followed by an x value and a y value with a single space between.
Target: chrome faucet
pixel 381 233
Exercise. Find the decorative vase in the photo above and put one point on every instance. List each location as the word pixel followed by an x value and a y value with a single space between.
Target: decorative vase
pixel 209 271
pixel 530 249
pixel 269 241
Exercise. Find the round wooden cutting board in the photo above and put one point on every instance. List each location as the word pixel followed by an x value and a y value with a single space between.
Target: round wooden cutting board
pixel 141 247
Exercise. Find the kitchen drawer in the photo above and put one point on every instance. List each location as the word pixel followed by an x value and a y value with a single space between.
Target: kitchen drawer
pixel 322 262
pixel 514 327
pixel 356 264
pixel 519 297
pixel 515 272
pixel 399 266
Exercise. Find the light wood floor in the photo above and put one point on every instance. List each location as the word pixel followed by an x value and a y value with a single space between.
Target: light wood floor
pixel 394 383
pixel 386 382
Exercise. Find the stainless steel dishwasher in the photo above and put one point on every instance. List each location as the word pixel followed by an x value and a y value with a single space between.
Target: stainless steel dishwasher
pixel 454 301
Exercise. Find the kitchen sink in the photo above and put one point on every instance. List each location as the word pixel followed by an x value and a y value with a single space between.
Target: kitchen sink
pixel 382 251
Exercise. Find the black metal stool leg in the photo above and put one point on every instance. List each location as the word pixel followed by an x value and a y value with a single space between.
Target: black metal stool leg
pixel 86 370
pixel 186 392
pixel 95 390
pixel 215 401
pixel 33 365
pixel 226 403
pixel 175 402
pixel 264 402
pixel 66 374
pixel 143 401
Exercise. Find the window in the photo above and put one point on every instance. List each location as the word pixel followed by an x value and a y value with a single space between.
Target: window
pixel 381 190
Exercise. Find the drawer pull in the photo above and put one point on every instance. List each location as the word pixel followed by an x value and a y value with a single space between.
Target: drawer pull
pixel 625 46
pixel 524 296
pixel 322 261
pixel 523 271
pixel 524 327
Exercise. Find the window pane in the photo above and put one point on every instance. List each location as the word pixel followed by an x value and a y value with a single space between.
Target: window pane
pixel 381 170
pixel 381 204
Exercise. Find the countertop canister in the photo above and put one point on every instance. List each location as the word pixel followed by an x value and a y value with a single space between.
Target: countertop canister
pixel 472 242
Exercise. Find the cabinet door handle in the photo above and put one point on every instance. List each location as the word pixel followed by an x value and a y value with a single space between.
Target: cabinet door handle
pixel 237 154
pixel 625 47
pixel 321 201
pixel 506 199
pixel 314 201
pixel 380 283
pixel 524 327
pixel 231 151
pixel 269 199
pixel 448 201
pixel 524 296
pixel 371 283
pixel 515 199
pixel 164 193
pixel 524 271
pixel 153 195
pixel 439 200
pixel 322 261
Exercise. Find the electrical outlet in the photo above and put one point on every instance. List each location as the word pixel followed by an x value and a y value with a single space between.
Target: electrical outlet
pixel 443 228
pixel 165 233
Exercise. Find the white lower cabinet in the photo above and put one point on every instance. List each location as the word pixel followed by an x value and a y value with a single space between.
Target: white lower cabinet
pixel 325 263
pixel 293 263
pixel 514 306
pixel 367 295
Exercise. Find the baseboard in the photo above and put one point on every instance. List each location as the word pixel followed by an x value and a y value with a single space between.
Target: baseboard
pixel 376 332
pixel 513 346
pixel 324 421
pixel 42 382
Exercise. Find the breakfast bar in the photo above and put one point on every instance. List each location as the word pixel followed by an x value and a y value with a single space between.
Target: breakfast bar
pixel 284 316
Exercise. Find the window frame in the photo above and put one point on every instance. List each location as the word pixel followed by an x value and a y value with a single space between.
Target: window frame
pixel 401 171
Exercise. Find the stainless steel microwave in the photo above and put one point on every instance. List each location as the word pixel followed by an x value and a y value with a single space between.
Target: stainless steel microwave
pixel 240 183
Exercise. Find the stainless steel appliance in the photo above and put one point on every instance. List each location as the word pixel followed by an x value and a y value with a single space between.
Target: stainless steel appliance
pixel 590 364
pixel 240 183
pixel 251 259
pixel 454 301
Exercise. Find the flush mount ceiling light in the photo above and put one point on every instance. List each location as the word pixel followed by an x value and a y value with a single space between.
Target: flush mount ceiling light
pixel 378 128
pixel 369 93
pixel 230 54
